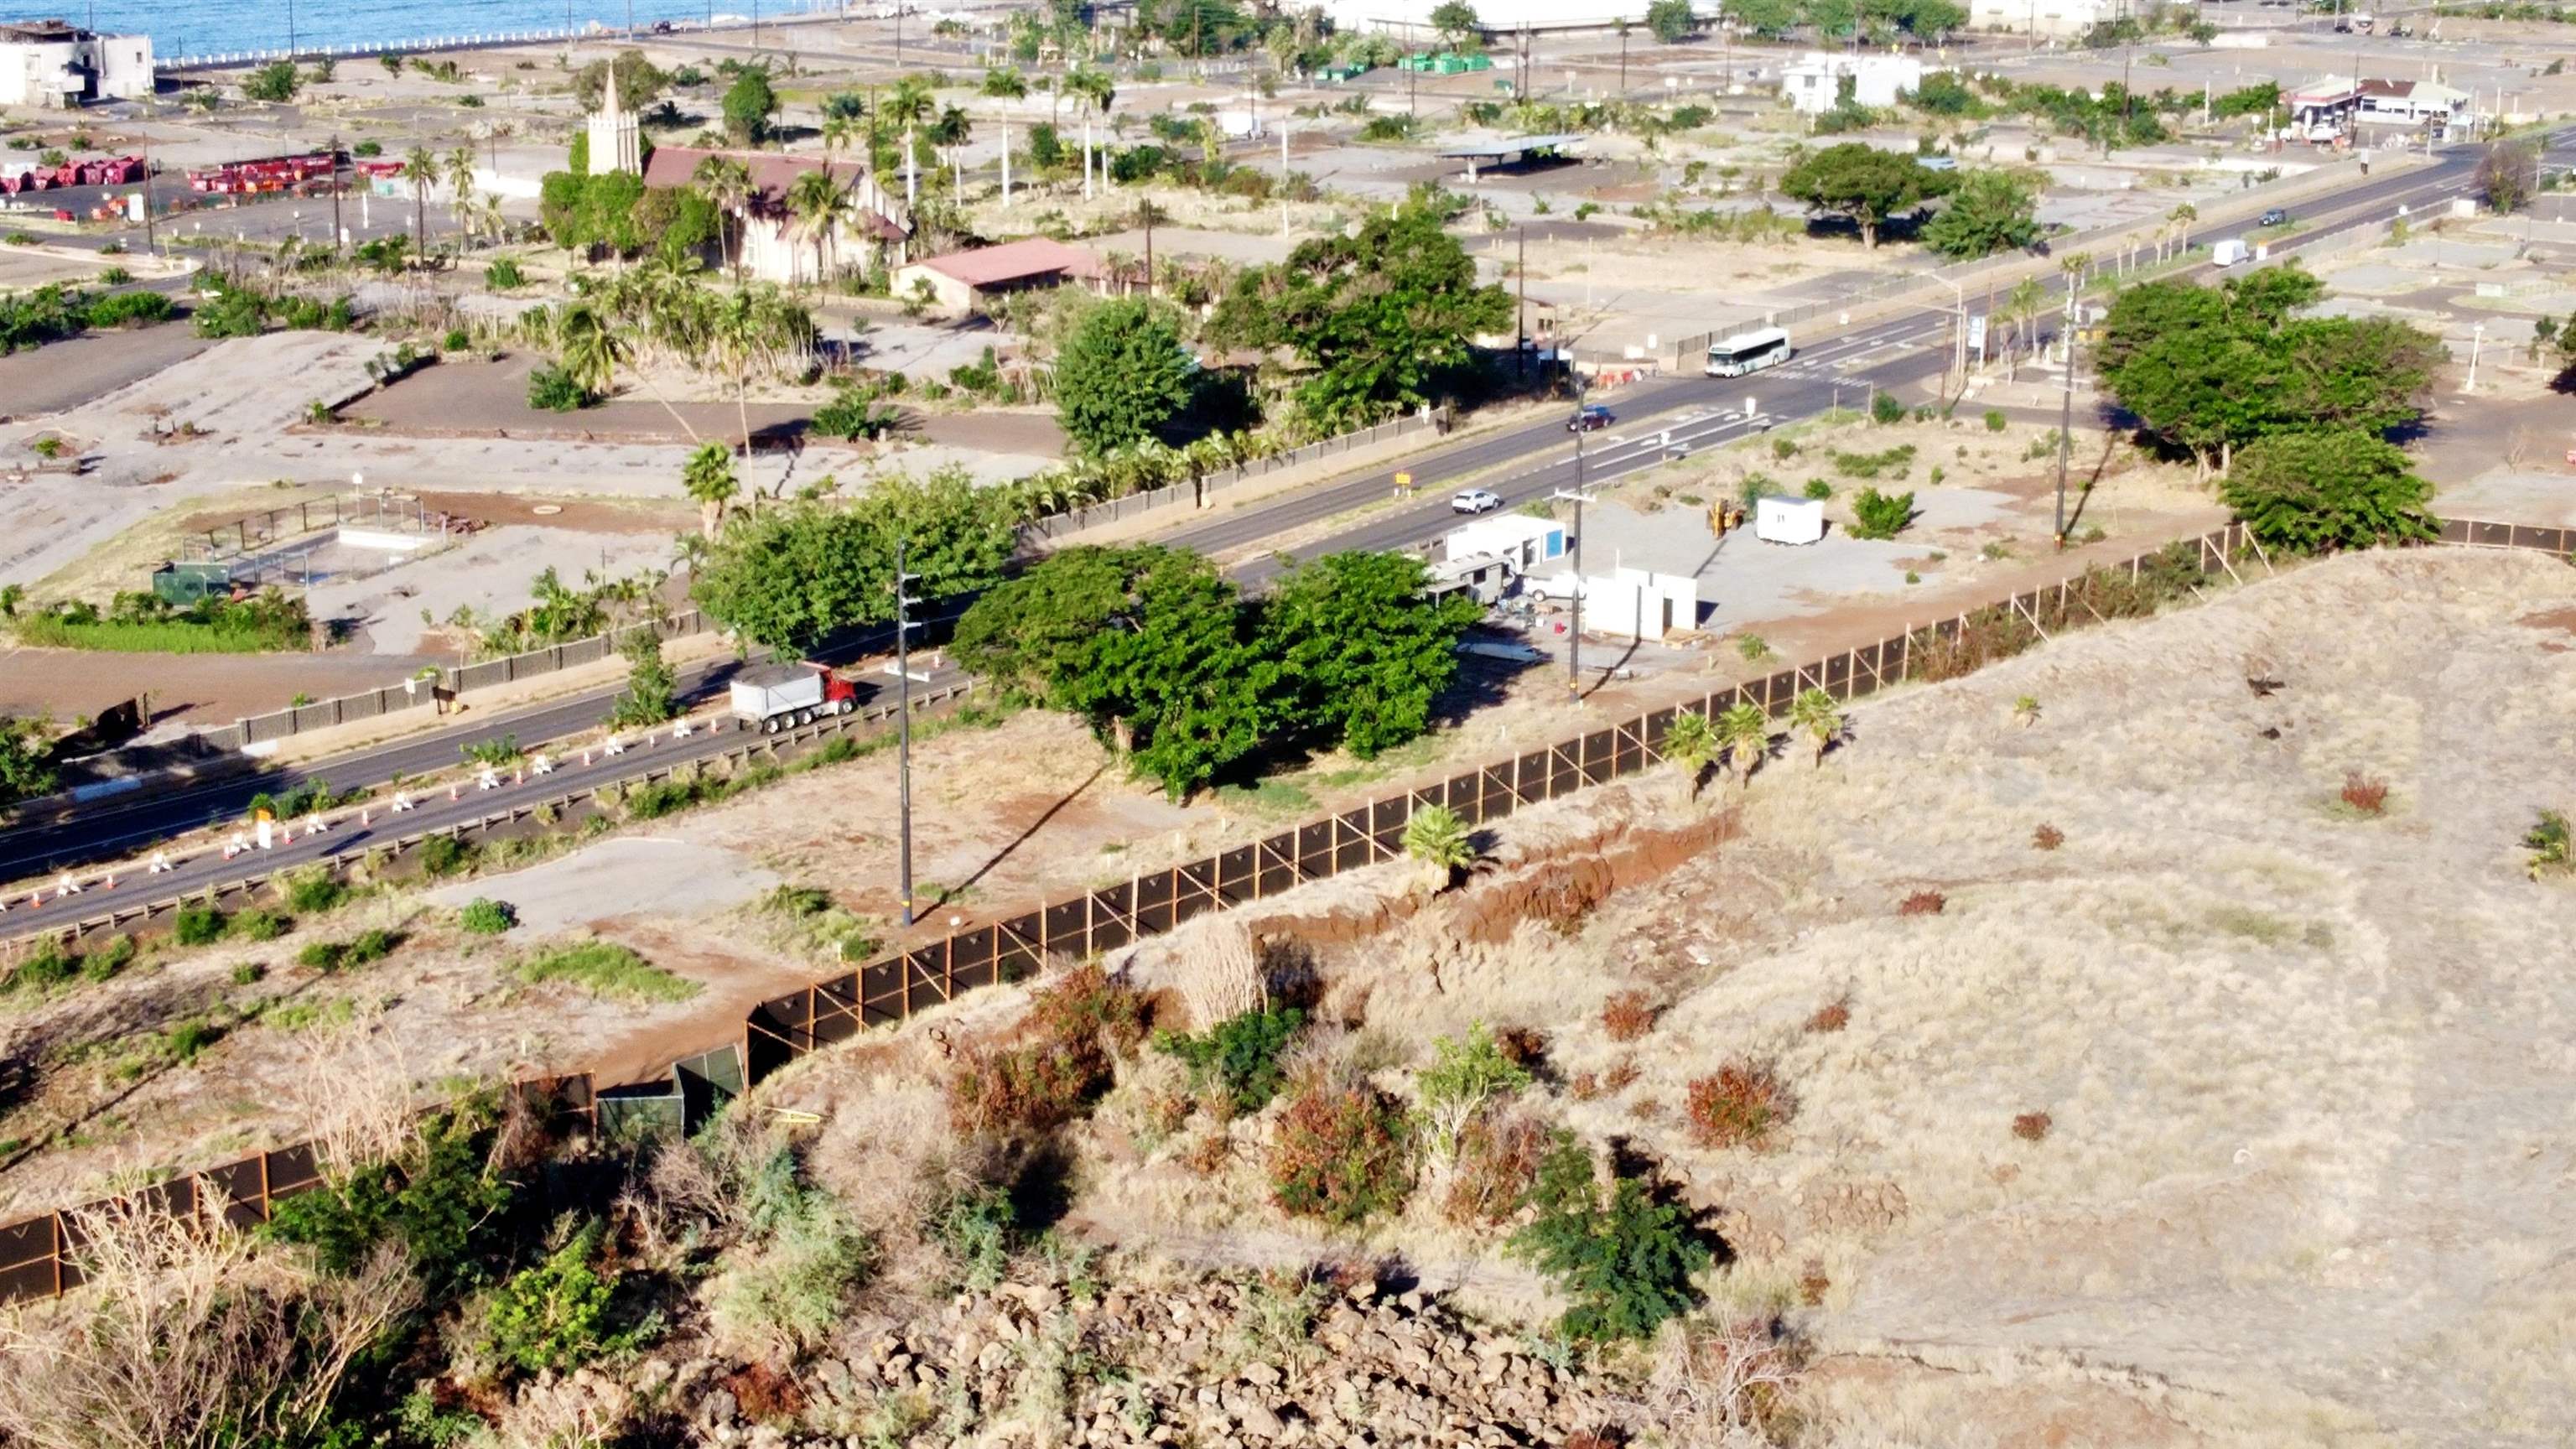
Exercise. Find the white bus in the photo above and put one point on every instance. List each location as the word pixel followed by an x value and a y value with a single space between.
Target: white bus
pixel 1749 352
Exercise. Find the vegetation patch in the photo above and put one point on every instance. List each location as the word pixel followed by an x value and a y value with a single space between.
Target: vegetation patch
pixel 604 968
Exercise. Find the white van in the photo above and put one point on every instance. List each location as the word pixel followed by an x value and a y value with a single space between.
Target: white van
pixel 2228 253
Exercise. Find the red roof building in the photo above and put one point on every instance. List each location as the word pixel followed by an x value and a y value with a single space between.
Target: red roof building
pixel 961 282
pixel 773 242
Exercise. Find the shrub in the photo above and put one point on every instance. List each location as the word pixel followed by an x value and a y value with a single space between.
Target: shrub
pixel 2365 795
pixel 554 1317
pixel 104 963
pixel 1831 1017
pixel 1464 1076
pixel 1497 1161
pixel 184 1041
pixel 197 925
pixel 261 925
pixel 1741 1105
pixel 365 947
pixel 445 855
pixel 130 309
pixel 315 891
pixel 1080 1025
pixel 605 968
pixel 2047 837
pixel 1624 1264
pixel 1881 515
pixel 1436 836
pixel 1628 1015
pixel 1238 1056
pixel 792 1292
pixel 2549 841
pixel 1819 489
pixel 1923 903
pixel 436 1201
pixel 484 917
pixel 977 1225
pixel 1340 1154
pixel 456 340
pixel 2031 1126
pixel 50 965
pixel 1996 422
pixel 551 389
pixel 1885 409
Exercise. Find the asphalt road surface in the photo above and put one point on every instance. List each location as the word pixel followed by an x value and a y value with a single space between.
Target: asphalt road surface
pixel 1654 419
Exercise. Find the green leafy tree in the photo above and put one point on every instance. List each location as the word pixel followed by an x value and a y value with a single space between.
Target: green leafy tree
pixel 26 761
pixel 1988 212
pixel 277 81
pixel 789 576
pixel 1455 22
pixel 639 81
pixel 1365 651
pixel 652 690
pixel 748 104
pixel 1863 183
pixel 2508 174
pixel 1624 1261
pixel 2311 492
pixel 1122 376
pixel 1770 19
pixel 1672 21
pixel 1372 315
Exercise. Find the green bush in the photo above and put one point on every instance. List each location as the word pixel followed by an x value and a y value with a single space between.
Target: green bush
pixel 1239 1055
pixel 1996 422
pixel 1881 515
pixel 1819 489
pixel 1885 409
pixel 130 309
pixel 456 340
pixel 197 925
pixel 261 925
pixel 503 275
pixel 977 1226
pixel 789 1288
pixel 436 1202
pixel 483 917
pixel 445 855
pixel 315 891
pixel 184 1041
pixel 365 947
pixel 249 973
pixel 51 965
pixel 551 389
pixel 1624 1264
pixel 555 1316
pixel 605 969
pixel 105 962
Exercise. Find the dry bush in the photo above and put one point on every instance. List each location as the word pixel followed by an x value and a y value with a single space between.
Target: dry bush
pixel 189 1333
pixel 1831 1017
pixel 1721 1386
pixel 2365 795
pixel 1210 1152
pixel 1218 969
pixel 1621 1076
pixel 1812 1284
pixel 1523 1046
pixel 1741 1105
pixel 1496 1161
pixel 555 1413
pixel 763 1394
pixel 2047 837
pixel 1077 1026
pixel 1591 1439
pixel 2032 1126
pixel 1340 1153
pixel 1923 903
pixel 1584 1087
pixel 354 1089
pixel 1628 1015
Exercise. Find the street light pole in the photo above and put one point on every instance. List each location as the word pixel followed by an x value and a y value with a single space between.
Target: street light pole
pixel 2074 268
pixel 903 602
pixel 1574 635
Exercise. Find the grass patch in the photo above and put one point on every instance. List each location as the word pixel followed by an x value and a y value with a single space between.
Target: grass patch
pixel 2251 924
pixel 303 1015
pixel 1270 798
pixel 604 968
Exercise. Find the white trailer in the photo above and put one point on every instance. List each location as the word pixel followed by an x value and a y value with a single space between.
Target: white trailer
pixel 780 696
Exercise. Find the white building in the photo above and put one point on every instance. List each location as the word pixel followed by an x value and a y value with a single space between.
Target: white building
pixel 2059 19
pixel 1814 83
pixel 58 65
pixel 1517 539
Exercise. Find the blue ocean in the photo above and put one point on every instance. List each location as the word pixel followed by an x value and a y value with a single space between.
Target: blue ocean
pixel 204 28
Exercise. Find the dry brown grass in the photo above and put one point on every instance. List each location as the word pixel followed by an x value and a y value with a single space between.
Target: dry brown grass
pixel 1831 1017
pixel 1922 903
pixel 1628 1016
pixel 2363 794
pixel 1217 966
pixel 2047 837
pixel 1741 1104
pixel 2032 1126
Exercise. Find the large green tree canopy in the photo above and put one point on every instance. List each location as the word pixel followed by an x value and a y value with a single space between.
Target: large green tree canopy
pixel 1864 183
pixel 1123 375
pixel 1364 651
pixel 790 575
pixel 1373 315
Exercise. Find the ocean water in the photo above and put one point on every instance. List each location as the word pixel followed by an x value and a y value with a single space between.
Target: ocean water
pixel 203 28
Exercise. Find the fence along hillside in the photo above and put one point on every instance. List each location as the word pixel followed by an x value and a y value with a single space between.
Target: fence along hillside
pixel 37 1254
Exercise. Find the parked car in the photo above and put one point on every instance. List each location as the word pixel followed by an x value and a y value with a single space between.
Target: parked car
pixel 1476 500
pixel 1589 419
pixel 2275 217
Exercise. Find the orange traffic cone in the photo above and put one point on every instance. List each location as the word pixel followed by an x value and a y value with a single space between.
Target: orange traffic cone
pixel 111 880
pixel 451 790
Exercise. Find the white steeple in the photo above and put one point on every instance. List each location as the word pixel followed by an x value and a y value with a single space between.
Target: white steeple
pixel 616 136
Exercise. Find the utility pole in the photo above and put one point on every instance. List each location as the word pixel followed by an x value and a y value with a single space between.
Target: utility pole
pixel 1145 209
pixel 2074 268
pixel 1574 633
pixel 1623 60
pixel 290 29
pixel 149 245
pixel 903 602
pixel 1520 274
pixel 335 193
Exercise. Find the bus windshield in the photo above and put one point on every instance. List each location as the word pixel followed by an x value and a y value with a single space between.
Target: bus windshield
pixel 1747 352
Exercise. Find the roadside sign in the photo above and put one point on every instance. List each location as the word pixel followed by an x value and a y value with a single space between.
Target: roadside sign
pixel 1977 336
pixel 1403 480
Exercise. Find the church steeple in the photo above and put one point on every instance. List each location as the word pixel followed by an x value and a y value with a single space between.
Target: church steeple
pixel 616 135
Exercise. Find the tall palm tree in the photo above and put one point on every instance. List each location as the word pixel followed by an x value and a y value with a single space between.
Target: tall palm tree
pixel 2180 220
pixel 839 131
pixel 1744 732
pixel 420 169
pixel 1005 83
pixel 952 130
pixel 589 348
pixel 726 184
pixel 909 104
pixel 2022 305
pixel 1815 713
pixel 1690 742
pixel 459 176
pixel 817 202
pixel 708 475
pixel 737 329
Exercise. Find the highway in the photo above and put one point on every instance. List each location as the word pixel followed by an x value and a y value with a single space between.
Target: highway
pixel 1900 353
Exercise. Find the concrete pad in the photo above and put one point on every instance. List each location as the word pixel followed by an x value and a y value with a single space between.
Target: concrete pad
pixel 490 572
pixel 634 876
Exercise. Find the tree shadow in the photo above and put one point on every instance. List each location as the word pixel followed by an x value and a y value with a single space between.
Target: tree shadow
pixel 948 893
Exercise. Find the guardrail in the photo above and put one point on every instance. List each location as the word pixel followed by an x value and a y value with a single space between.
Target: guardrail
pixel 37 1255
pixel 1111 510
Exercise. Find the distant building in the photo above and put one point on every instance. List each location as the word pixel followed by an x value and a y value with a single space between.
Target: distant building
pixel 1517 539
pixel 1413 17
pixel 58 65
pixel 2426 104
pixel 2054 19
pixel 2323 109
pixel 769 241
pixel 616 134
pixel 964 282
pixel 1814 83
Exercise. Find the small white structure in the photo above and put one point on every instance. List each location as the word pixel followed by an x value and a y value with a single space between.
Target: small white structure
pixel 57 65
pixel 616 134
pixel 1813 84
pixel 1631 603
pixel 1789 520
pixel 1517 539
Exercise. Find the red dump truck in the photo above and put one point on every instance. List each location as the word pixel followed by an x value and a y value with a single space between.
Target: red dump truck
pixel 781 696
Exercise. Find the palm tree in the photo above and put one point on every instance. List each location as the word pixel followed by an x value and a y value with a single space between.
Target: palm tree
pixel 1438 838
pixel 838 132
pixel 816 201
pixel 1005 83
pixel 590 349
pixel 910 103
pixel 737 331
pixel 2022 305
pixel 1744 732
pixel 708 475
pixel 1691 742
pixel 420 169
pixel 952 130
pixel 726 183
pixel 460 186
pixel 1815 712
pixel 2181 218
